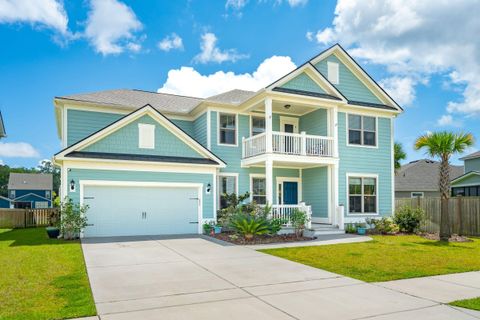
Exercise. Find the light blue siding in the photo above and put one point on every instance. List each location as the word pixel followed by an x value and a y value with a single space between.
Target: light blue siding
pixel 315 190
pixel 113 175
pixel 315 123
pixel 81 124
pixel 349 85
pixel 125 140
pixel 200 129
pixel 367 161
pixel 468 180
pixel 303 82
pixel 472 165
pixel 185 125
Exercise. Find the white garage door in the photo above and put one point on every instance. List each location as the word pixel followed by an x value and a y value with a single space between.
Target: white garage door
pixel 132 210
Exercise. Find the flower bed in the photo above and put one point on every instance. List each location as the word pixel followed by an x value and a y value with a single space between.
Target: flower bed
pixel 261 239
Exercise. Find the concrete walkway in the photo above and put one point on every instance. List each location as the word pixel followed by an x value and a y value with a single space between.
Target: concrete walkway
pixel 158 278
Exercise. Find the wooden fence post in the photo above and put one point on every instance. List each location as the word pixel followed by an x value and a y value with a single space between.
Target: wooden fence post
pixel 459 215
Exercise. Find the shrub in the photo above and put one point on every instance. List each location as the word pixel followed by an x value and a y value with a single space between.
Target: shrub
pixel 350 228
pixel 299 220
pixel 235 206
pixel 207 227
pixel 72 219
pixel 274 226
pixel 409 219
pixel 250 226
pixel 383 225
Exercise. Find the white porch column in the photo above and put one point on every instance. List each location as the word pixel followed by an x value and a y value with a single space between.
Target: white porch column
pixel 334 129
pixel 268 125
pixel 269 180
pixel 334 189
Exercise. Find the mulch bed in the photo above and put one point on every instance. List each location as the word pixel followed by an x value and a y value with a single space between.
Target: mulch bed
pixel 453 237
pixel 264 239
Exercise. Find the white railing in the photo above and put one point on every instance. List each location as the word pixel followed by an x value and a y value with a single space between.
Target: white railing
pixel 284 212
pixel 254 145
pixel 299 144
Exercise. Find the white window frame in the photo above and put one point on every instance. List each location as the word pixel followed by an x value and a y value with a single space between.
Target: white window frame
pixel 347 192
pixel 333 72
pixel 44 204
pixel 12 194
pixel 253 176
pixel 251 123
pixel 420 194
pixel 361 131
pixel 225 174
pixel 219 114
pixel 146 136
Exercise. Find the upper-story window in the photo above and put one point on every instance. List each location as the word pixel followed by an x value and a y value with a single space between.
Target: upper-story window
pixel 47 194
pixel 333 72
pixel 227 129
pixel 146 136
pixel 362 130
pixel 12 194
pixel 258 125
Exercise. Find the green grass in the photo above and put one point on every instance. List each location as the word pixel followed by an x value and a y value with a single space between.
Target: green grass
pixel 42 278
pixel 388 257
pixel 473 304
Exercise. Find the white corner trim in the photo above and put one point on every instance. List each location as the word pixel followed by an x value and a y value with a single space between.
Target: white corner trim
pixel 209 130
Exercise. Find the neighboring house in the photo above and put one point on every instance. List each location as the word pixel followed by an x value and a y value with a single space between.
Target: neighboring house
pixel 3 132
pixel 155 163
pixel 5 202
pixel 419 178
pixel 468 184
pixel 30 190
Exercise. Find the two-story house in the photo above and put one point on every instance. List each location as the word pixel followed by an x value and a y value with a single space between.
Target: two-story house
pixel 319 139
pixel 30 190
pixel 468 184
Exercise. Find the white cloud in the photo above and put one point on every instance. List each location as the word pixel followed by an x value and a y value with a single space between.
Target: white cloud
pixel 47 13
pixel 401 89
pixel 235 4
pixel 17 150
pixel 111 26
pixel 296 3
pixel 211 53
pixel 172 41
pixel 414 38
pixel 447 121
pixel 188 81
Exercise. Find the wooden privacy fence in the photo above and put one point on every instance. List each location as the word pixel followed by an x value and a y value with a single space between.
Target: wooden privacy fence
pixel 463 212
pixel 25 218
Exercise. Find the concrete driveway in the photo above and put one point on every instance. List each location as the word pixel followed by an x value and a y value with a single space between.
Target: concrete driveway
pixel 192 278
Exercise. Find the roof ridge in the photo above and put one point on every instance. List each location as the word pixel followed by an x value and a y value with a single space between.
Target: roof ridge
pixel 165 93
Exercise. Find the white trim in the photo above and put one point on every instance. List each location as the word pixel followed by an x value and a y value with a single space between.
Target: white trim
pixel 218 129
pixel 392 164
pixel 464 176
pixel 147 184
pixel 255 175
pixel 162 120
pixel 28 194
pixel 289 120
pixel 209 130
pixel 329 194
pixel 65 128
pixel 362 175
pixel 419 192
pixel 226 174
pixel 281 180
pixel 465 185
pixel 361 131
pixel 214 198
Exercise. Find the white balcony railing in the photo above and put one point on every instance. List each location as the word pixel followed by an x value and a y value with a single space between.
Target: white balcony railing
pixel 299 144
pixel 284 213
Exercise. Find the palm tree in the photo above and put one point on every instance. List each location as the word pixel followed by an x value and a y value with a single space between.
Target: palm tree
pixel 443 145
pixel 399 155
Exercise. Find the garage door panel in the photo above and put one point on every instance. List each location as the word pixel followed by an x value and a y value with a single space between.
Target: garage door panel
pixel 126 210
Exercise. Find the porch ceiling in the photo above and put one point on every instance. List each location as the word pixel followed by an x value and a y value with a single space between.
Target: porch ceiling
pixel 294 109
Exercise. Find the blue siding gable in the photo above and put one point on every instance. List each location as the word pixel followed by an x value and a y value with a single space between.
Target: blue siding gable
pixel 472 165
pixel 20 193
pixel 81 124
pixel 125 140
pixel 349 85
pixel 303 82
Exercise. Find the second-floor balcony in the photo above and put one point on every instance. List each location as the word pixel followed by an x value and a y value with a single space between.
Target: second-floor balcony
pixel 289 144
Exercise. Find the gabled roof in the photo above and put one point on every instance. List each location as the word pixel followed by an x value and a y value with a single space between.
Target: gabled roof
pixel 30 181
pixel 466 175
pixel 471 156
pixel 19 199
pixel 75 150
pixel 3 132
pixel 422 175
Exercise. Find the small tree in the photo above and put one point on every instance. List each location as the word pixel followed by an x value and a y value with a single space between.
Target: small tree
pixel 72 219
pixel 299 219
pixel 443 145
pixel 399 155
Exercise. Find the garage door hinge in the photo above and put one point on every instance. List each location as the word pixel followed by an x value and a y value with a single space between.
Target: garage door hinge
pixel 86 198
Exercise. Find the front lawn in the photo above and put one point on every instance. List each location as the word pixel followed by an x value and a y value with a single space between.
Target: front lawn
pixel 388 257
pixel 473 304
pixel 41 278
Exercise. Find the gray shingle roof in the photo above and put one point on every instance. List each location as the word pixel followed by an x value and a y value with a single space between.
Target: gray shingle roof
pixel 127 98
pixel 163 102
pixel 30 181
pixel 422 175
pixel 235 96
pixel 471 156
pixel 3 133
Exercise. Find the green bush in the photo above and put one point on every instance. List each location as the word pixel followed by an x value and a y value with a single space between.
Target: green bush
pixel 409 219
pixel 249 226
pixel 383 225
pixel 207 228
pixel 350 228
pixel 72 219
pixel 299 219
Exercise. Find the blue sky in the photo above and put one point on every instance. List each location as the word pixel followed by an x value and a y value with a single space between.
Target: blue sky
pixel 53 48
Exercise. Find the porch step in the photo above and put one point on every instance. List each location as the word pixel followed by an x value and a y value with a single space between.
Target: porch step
pixel 325 229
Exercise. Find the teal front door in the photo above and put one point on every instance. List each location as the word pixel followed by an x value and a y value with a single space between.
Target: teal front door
pixel 290 192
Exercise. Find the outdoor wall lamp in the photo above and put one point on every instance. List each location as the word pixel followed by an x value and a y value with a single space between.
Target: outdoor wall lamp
pixel 209 188
pixel 72 185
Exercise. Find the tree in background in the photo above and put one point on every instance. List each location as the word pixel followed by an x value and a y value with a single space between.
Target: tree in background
pixel 443 145
pixel 46 166
pixel 399 155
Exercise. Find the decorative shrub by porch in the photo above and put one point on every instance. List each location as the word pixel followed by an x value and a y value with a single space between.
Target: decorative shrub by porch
pixel 72 219
pixel 408 219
